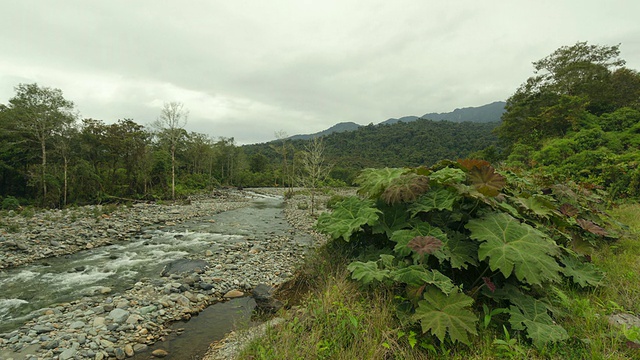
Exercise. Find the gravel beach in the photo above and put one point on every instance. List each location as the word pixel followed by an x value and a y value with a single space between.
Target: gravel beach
pixel 117 325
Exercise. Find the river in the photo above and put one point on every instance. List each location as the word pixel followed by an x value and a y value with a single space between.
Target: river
pixel 100 274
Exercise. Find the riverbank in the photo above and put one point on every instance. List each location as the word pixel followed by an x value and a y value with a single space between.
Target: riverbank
pixel 118 325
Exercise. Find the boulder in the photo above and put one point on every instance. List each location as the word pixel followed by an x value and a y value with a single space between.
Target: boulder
pixel 181 266
pixel 265 302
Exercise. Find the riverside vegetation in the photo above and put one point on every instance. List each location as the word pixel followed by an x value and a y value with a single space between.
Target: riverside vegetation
pixel 531 257
pixel 534 259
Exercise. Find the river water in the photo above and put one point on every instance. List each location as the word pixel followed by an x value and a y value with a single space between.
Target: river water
pixel 26 289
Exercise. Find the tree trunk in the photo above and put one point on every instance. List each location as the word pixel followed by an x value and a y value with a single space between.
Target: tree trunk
pixel 173 172
pixel 66 163
pixel 44 169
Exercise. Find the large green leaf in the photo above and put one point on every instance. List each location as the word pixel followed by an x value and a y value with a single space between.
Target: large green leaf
pixel 348 217
pixel 392 218
pixel 583 273
pixel 418 275
pixel 367 272
pixel 447 315
pixel 448 176
pixel 373 182
pixel 515 247
pixel 436 199
pixel 539 205
pixel 460 251
pixel 403 237
pixel 532 315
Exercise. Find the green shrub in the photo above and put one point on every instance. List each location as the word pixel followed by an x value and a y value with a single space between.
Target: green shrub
pixel 10 203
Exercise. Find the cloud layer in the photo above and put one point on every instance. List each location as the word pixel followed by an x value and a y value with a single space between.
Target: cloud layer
pixel 246 69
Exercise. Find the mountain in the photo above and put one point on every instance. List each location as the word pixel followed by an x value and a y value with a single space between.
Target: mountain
pixel 481 114
pixel 337 128
pixel 485 113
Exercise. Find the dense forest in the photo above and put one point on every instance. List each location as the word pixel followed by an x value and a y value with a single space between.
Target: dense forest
pixel 49 157
pixel 578 119
pixel 415 143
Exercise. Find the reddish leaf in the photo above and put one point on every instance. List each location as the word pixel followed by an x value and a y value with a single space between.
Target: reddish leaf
pixel 568 210
pixel 486 180
pixel 473 163
pixel 405 188
pixel 589 226
pixel 490 285
pixel 425 244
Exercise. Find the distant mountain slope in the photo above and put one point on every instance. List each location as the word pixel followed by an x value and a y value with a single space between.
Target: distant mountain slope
pixel 485 113
pixel 481 114
pixel 337 128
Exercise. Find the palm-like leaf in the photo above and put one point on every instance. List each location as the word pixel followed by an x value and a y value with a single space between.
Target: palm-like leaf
pixel 583 273
pixel 425 244
pixel 373 182
pixel 403 237
pixel 486 180
pixel 348 217
pixel 515 247
pixel 447 315
pixel 532 315
pixel 437 199
pixel 405 188
pixel 367 272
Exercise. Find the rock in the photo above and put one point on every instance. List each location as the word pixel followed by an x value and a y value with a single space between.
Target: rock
pixel 181 266
pixel 233 294
pixel 119 353
pixel 98 321
pixel 51 344
pixel 40 329
pixel 265 302
pixel 159 353
pixel 624 319
pixel 67 354
pixel 76 325
pixel 118 315
pixel 128 350
pixel 139 348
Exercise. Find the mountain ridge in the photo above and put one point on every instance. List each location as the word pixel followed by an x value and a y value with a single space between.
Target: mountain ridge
pixel 479 114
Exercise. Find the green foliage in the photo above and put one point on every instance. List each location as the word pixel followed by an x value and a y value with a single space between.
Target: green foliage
pixel 577 119
pixel 449 315
pixel 348 216
pixel 515 247
pixel 10 203
pixel 532 316
pixel 474 236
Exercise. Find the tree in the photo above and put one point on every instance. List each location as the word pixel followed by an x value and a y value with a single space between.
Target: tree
pixel 568 84
pixel 314 168
pixel 283 150
pixel 171 122
pixel 41 112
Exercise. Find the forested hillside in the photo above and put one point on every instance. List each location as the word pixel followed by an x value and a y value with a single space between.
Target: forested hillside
pixel 578 119
pixel 416 143
pixel 51 157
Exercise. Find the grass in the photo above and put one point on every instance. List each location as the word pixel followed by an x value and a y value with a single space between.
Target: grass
pixel 330 317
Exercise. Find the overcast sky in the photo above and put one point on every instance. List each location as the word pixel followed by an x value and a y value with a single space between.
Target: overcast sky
pixel 247 69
